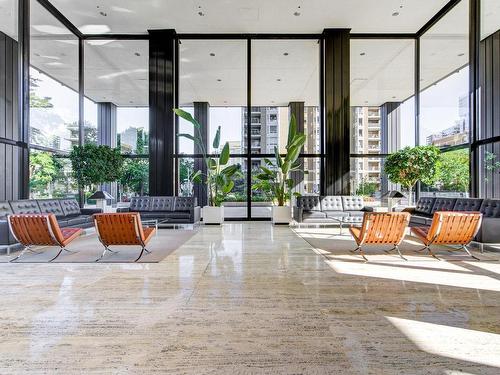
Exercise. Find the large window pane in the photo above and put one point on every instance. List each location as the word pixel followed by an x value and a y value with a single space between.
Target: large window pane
pixel 212 86
pixel 90 122
pixel 285 79
pixel 53 82
pixel 50 176
pixel 489 170
pixel 133 130
pixel 382 95
pixel 453 176
pixel 135 179
pixel 444 102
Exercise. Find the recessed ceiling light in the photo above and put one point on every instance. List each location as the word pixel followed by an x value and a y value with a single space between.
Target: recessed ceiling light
pixel 104 14
pixel 394 97
pixel 278 79
pixel 395 14
pixel 212 54
pixel 201 14
pixel 137 54
pixel 225 101
pixel 219 80
pixel 37 54
pixel 131 101
pixel 285 54
pixel 362 54
pixel 461 54
pixel 296 14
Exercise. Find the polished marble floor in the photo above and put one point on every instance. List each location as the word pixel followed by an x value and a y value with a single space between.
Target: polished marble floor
pixel 249 298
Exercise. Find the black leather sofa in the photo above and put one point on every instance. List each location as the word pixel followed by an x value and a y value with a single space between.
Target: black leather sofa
pixel 175 210
pixel 421 214
pixel 316 209
pixel 67 211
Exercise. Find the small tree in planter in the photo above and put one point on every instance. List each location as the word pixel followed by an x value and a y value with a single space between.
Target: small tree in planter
pixel 412 164
pixel 95 165
pixel 219 175
pixel 274 179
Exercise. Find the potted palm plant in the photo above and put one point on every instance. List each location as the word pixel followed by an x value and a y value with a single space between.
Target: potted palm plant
pixel 274 179
pixel 219 174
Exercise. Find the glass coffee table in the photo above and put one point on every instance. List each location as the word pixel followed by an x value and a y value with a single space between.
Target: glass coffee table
pixel 150 223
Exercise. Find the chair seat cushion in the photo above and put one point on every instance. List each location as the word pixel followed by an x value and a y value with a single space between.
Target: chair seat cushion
pixel 420 232
pixel 69 234
pixel 148 233
pixel 356 232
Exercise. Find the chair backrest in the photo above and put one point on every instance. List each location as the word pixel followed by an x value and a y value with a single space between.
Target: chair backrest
pixel 119 228
pixel 384 227
pixel 454 227
pixel 36 229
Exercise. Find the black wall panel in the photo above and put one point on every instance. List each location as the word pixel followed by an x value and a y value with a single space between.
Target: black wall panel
pixel 11 149
pixel 489 125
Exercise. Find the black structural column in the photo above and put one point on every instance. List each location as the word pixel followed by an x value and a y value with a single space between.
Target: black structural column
pixel 106 135
pixel 202 114
pixel 390 126
pixel 336 111
pixel 297 109
pixel 162 88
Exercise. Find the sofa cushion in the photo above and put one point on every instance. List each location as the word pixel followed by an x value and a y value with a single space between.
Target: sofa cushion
pixel 25 207
pixel 75 221
pixel 313 215
pixel 161 204
pixel 70 207
pixel 355 213
pixel 184 203
pixel 331 203
pixel 309 203
pixel 443 204
pixel 490 208
pixel 179 215
pixel 336 214
pixel 424 205
pixel 352 203
pixel 50 206
pixel 140 204
pixel 467 204
pixel 420 220
pixel 5 210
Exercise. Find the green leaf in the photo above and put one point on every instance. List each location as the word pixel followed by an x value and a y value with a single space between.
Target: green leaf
pixel 292 129
pixel 230 170
pixel 279 162
pixel 187 116
pixel 224 156
pixel 216 142
pixel 228 187
pixel 212 164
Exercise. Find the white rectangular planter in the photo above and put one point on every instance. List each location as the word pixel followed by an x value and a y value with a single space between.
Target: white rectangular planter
pixel 213 215
pixel 282 214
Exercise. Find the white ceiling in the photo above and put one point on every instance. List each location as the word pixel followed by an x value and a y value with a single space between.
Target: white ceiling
pixel 248 16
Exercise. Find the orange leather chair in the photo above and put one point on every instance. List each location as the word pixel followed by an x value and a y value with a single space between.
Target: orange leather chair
pixel 41 230
pixel 381 228
pixel 122 229
pixel 450 228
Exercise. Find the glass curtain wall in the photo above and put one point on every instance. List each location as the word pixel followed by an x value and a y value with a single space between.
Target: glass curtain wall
pixel 213 89
pixel 116 107
pixel 53 100
pixel 285 81
pixel 382 110
pixel 444 99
